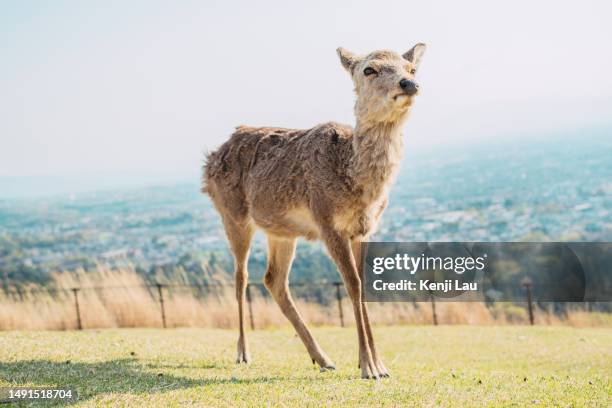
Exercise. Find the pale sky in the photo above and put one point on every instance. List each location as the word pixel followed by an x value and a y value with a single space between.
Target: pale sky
pixel 141 88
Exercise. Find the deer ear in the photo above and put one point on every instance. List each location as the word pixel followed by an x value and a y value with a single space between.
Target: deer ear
pixel 347 58
pixel 415 54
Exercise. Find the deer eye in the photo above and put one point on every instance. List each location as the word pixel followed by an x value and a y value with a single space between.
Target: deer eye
pixel 369 71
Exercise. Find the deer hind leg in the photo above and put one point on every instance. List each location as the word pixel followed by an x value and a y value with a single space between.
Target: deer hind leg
pixel 340 250
pixel 280 256
pixel 358 255
pixel 239 236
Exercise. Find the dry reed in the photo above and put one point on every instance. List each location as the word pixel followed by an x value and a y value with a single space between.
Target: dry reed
pixel 129 301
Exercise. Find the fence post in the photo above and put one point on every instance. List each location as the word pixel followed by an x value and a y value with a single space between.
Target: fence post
pixel 250 302
pixel 527 284
pixel 339 298
pixel 433 309
pixel 20 294
pixel 75 292
pixel 161 303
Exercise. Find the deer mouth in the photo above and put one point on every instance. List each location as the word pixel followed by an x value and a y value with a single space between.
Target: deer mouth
pixel 401 96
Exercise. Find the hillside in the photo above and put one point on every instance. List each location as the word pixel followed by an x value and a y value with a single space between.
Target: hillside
pixel 549 189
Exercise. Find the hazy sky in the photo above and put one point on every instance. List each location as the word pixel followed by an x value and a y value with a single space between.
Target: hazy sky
pixel 142 88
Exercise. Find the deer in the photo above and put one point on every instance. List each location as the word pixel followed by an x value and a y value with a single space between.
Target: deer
pixel 328 183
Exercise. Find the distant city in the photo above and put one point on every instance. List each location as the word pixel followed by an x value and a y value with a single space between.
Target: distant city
pixel 551 189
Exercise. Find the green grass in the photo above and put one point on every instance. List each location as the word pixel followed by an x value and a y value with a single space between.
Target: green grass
pixel 430 366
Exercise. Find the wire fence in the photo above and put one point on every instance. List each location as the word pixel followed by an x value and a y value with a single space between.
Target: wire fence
pixel 159 292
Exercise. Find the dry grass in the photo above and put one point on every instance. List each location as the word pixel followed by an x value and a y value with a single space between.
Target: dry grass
pixel 443 366
pixel 129 302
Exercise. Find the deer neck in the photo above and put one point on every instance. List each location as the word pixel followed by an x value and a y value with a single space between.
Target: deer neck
pixel 377 152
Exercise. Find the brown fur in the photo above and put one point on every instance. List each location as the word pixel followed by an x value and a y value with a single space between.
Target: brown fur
pixel 329 182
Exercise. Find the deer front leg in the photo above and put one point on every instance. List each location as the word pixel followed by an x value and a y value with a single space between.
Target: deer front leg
pixel 340 251
pixel 358 248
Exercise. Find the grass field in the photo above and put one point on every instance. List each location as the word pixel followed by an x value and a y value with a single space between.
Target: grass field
pixel 430 366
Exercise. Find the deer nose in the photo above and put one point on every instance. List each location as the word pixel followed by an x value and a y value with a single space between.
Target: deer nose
pixel 410 87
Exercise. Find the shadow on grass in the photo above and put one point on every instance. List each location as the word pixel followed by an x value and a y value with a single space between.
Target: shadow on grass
pixel 180 365
pixel 114 376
